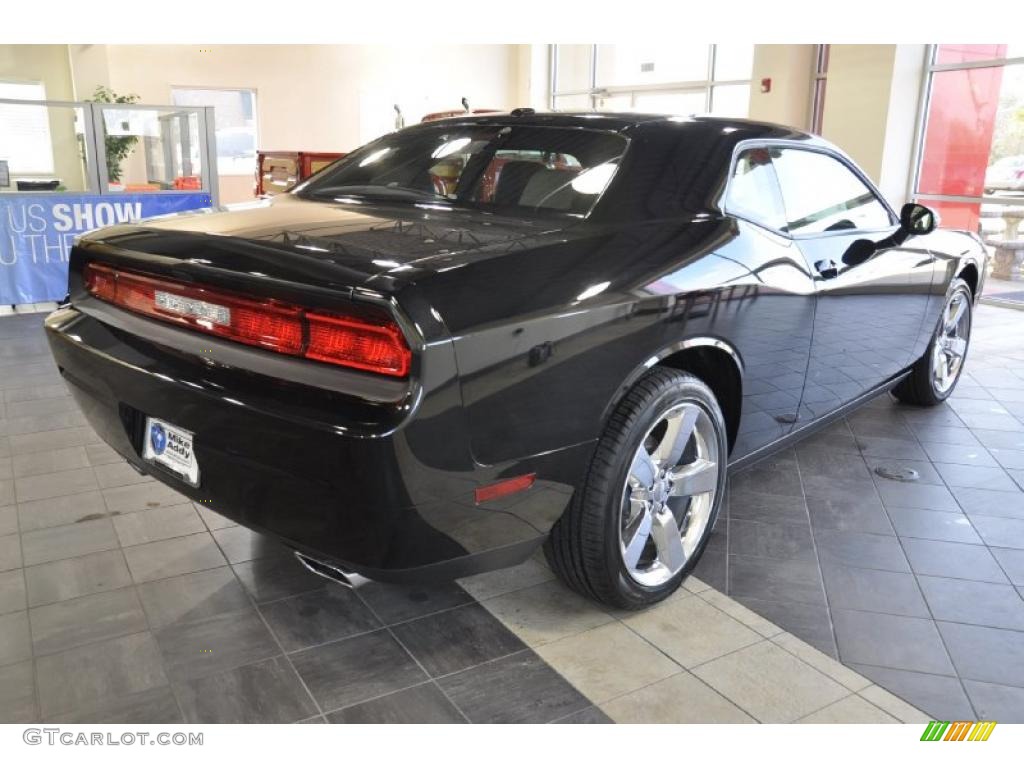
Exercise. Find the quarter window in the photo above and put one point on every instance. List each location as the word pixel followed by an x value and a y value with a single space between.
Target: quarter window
pixel 822 195
pixel 754 190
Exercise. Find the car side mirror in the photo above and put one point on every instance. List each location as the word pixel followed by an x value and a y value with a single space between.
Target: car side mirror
pixel 917 219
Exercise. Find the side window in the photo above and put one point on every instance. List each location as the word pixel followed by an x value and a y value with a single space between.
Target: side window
pixel 754 189
pixel 822 195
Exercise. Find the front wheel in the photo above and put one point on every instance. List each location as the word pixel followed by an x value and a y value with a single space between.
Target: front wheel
pixel 644 513
pixel 935 375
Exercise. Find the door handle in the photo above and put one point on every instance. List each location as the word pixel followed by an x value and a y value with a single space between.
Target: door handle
pixel 827 268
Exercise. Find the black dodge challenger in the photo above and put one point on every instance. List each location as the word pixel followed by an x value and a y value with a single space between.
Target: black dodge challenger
pixel 478 336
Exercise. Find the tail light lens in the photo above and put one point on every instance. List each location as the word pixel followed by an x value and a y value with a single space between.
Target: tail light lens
pixel 369 344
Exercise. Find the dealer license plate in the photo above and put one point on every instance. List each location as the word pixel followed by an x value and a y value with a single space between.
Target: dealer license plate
pixel 171 447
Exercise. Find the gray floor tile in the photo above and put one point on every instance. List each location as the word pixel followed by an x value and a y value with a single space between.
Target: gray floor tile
pixel 863 550
pixel 265 692
pixel 991 502
pixel 99 454
pixel 924 469
pixel 65 483
pixel 766 508
pixel 156 705
pixel 999 531
pixel 1012 563
pixel 985 654
pixel 7 495
pixel 12 591
pixel 202 648
pixel 930 524
pixel 8 520
pixel 779 580
pixel 967 476
pixel 883 640
pixel 44 462
pixel 276 577
pixel 173 557
pixel 889 448
pixel 49 513
pixel 157 524
pixel 915 495
pixel 66 579
pixel 938 695
pixel 588 716
pixel 18 693
pixel 456 639
pixel 77 678
pixel 351 671
pixel 48 441
pixel 10 552
pixel 117 474
pixel 192 597
pixel 241 544
pixel 713 566
pixel 65 541
pixel 811 623
pixel 313 618
pixel 974 602
pixel 774 475
pixel 425 704
pixel 861 589
pixel 854 513
pixel 214 521
pixel 60 626
pixel 953 560
pixel 394 603
pixel 15 643
pixel 778 540
pixel 1002 703
pixel 959 454
pixel 531 691
pixel 133 498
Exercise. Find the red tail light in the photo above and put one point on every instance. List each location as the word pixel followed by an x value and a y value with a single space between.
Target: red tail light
pixel 370 344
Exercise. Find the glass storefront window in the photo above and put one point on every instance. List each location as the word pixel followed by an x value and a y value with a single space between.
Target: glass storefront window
pixel 627 65
pixel 42 148
pixel 971 168
pixel 573 70
pixel 235 129
pixel 670 79
pixel 730 100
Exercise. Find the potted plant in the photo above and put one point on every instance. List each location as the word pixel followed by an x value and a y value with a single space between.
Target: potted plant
pixel 117 147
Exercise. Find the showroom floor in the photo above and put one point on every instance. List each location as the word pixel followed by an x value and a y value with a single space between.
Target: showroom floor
pixel 120 601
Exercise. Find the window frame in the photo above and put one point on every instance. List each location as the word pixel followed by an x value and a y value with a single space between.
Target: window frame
pixel 595 92
pixel 44 105
pixel 821 150
pixel 213 128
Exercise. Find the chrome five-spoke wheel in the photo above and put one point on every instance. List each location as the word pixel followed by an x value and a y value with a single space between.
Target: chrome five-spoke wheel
pixel 669 494
pixel 950 346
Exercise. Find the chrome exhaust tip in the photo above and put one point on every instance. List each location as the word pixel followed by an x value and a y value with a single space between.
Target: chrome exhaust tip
pixel 348 579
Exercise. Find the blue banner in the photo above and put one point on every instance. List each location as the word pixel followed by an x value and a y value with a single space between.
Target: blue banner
pixel 36 232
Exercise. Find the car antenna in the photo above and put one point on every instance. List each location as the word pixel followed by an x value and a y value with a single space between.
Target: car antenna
pixel 399 118
pixel 465 104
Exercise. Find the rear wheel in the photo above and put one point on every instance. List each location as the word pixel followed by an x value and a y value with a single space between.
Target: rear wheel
pixel 644 513
pixel 934 377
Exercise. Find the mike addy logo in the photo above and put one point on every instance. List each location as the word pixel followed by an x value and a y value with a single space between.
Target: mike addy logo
pixel 961 730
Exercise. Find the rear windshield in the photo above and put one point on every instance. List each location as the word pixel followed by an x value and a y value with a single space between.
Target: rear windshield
pixel 505 169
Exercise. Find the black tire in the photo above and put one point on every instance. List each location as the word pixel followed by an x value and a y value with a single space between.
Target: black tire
pixel 583 547
pixel 919 388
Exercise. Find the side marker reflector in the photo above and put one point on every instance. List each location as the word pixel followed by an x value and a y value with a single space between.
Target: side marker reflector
pixel 504 487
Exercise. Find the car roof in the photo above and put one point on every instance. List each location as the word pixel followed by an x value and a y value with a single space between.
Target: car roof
pixel 629 123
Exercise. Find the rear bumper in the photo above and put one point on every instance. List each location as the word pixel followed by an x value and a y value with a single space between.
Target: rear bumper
pixel 391 500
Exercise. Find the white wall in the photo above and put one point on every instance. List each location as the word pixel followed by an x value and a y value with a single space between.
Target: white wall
pixel 791 69
pixel 871 103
